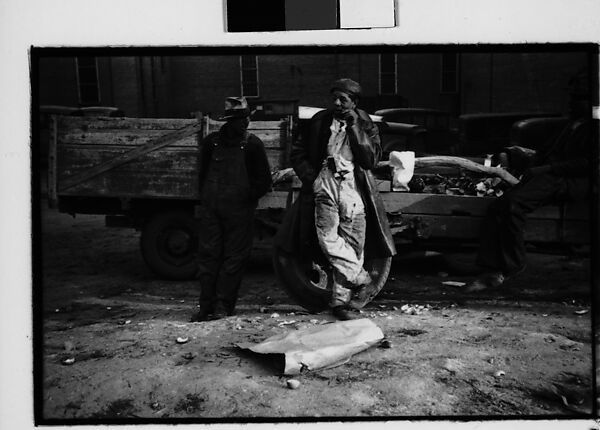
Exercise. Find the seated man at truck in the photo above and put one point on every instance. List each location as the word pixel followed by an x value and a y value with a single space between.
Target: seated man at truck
pixel 339 198
pixel 234 174
pixel 559 172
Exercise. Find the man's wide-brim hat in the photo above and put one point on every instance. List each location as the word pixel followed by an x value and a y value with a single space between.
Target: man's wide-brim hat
pixel 347 86
pixel 235 107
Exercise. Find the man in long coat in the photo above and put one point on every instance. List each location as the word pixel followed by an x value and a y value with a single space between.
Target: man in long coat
pixel 339 207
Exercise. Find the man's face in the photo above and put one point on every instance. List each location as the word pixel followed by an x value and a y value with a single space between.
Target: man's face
pixel 239 125
pixel 341 103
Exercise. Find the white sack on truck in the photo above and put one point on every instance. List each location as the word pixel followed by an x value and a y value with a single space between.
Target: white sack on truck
pixel 403 163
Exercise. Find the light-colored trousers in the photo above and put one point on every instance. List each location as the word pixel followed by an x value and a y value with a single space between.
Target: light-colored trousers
pixel 341 223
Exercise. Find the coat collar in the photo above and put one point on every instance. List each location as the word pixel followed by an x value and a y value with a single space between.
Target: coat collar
pixel 324 129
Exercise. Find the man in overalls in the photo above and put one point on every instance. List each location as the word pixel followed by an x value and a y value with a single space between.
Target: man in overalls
pixel 234 174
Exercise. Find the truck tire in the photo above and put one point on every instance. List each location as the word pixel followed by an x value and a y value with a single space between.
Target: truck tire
pixel 311 289
pixel 169 243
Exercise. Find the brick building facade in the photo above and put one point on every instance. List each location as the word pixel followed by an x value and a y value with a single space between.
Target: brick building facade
pixel 177 85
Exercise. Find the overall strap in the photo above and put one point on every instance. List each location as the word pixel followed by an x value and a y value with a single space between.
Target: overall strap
pixel 244 141
pixel 216 141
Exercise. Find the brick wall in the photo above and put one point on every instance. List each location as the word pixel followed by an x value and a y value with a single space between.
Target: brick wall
pixel 57 83
pixel 125 85
pixel 176 86
pixel 505 82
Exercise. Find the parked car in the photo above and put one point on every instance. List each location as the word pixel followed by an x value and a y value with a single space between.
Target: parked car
pixel 441 127
pixel 536 133
pixel 488 133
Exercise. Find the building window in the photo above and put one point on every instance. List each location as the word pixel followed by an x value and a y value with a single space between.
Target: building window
pixel 449 78
pixel 87 80
pixel 387 74
pixel 249 75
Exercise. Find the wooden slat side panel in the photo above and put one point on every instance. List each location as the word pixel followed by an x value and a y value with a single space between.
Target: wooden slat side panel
pixel 275 157
pixel 275 199
pixel 211 126
pixel 129 137
pixel 254 125
pixel 134 154
pixel 285 137
pixel 72 161
pixel 435 204
pixel 155 172
pixel 383 185
pixel 440 204
pixel 173 185
pixel 267 125
pixel 275 135
pixel 447 227
pixel 83 144
pixel 259 128
pixel 82 125
pixel 468 228
pixel 270 138
pixel 104 123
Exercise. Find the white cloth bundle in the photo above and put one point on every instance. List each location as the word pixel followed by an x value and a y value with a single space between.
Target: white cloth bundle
pixel 403 163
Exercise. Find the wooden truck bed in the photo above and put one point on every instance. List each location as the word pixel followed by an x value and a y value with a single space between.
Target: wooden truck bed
pixel 142 158
pixel 438 216
pixel 139 157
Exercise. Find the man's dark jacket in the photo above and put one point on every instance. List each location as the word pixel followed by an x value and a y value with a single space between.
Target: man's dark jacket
pixel 568 155
pixel 257 164
pixel 297 233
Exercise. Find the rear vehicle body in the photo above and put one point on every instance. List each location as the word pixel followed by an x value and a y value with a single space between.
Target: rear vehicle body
pixel 441 132
pixel 488 133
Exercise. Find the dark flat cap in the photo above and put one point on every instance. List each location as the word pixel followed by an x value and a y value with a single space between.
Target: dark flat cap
pixel 347 86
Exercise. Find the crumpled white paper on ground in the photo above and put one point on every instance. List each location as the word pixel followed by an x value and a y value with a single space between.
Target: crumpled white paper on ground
pixel 320 346
pixel 403 163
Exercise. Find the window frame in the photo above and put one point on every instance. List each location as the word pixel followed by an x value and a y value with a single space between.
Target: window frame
pixel 444 71
pixel 242 69
pixel 79 83
pixel 395 74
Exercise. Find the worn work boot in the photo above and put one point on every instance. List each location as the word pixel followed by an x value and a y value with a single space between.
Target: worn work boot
pixel 202 315
pixel 359 297
pixel 220 311
pixel 489 280
pixel 342 313
pixel 363 278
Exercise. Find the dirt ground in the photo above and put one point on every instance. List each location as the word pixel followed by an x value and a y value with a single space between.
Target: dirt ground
pixel 522 350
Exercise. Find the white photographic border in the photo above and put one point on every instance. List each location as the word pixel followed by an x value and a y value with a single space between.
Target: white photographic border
pixel 162 23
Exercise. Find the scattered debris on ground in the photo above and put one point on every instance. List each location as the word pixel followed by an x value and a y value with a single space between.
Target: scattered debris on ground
pixel 110 350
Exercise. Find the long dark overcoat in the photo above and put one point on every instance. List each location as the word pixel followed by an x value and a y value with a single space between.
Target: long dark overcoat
pixel 297 233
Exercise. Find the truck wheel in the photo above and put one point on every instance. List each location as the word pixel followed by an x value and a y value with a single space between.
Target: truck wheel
pixel 311 286
pixel 169 242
